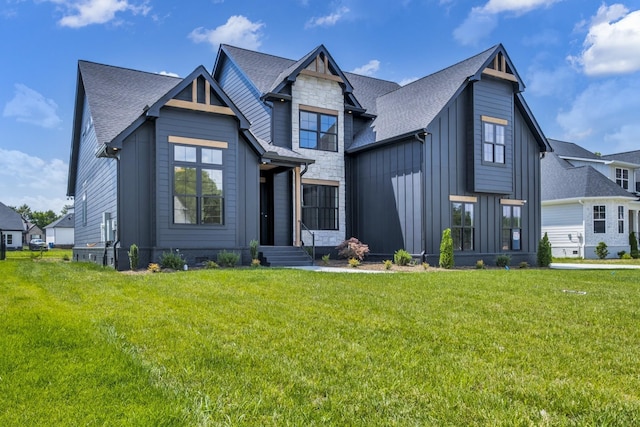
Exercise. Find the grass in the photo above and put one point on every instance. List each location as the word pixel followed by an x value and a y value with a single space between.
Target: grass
pixel 82 345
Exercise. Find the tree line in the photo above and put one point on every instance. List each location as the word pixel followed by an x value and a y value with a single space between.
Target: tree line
pixel 40 218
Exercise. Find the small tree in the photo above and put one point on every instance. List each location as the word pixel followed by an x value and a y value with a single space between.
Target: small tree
pixel 134 258
pixel 352 248
pixel 446 249
pixel 601 250
pixel 253 249
pixel 544 252
pixel 633 243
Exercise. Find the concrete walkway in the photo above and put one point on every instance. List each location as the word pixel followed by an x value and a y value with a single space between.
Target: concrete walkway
pixel 567 266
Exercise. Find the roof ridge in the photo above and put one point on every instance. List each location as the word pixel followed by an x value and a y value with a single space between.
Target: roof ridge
pixel 265 54
pixel 128 69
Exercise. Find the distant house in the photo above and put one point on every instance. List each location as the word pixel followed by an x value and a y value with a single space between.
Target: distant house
pixel 60 233
pixel 293 152
pixel 32 232
pixel 11 227
pixel 588 199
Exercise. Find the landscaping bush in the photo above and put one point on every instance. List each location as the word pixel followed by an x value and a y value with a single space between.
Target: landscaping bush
pixel 544 252
pixel 402 257
pixel 172 260
pixel 425 265
pixel 633 243
pixel 446 249
pixel 255 263
pixel 626 256
pixel 601 250
pixel 480 265
pixel 325 259
pixel 622 253
pixel 134 258
pixel 228 259
pixel 524 264
pixel 253 249
pixel 387 264
pixel 153 267
pixel 212 265
pixel 503 260
pixel 352 248
pixel 354 262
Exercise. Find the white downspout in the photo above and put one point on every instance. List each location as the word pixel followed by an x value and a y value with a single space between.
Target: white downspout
pixel 582 239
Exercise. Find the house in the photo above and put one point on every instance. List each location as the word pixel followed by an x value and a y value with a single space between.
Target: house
pixel 297 152
pixel 32 232
pixel 60 233
pixel 588 199
pixel 11 228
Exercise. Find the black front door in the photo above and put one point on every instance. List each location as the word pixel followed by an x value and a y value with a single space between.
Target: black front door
pixel 266 210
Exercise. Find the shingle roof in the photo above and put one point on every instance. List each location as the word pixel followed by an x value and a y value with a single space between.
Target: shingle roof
pixel 569 149
pixel 560 180
pixel 10 219
pixel 64 222
pixel 628 156
pixel 118 96
pixel 413 107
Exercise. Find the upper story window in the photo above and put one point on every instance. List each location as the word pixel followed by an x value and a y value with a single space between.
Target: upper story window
pixel 622 178
pixel 493 140
pixel 318 131
pixel 198 196
pixel 599 219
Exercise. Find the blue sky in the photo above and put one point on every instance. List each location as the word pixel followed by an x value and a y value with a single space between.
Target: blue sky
pixel 580 60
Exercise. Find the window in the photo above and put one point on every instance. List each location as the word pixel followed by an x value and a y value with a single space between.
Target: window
pixel 318 131
pixel 622 178
pixel 197 185
pixel 599 219
pixel 462 226
pixel 84 208
pixel 620 219
pixel 493 142
pixel 320 207
pixel 511 227
pixel 9 238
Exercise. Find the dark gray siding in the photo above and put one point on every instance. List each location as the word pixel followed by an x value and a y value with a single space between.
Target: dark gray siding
pixel 240 183
pixel 96 178
pixel 247 98
pixel 386 198
pixel 495 99
pixel 281 130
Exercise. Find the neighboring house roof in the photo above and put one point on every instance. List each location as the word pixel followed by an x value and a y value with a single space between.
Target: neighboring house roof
pixel 10 219
pixel 571 150
pixel 628 156
pixel 64 222
pixel 560 180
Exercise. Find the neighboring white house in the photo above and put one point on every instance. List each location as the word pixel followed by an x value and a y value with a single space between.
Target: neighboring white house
pixel 587 199
pixel 11 227
pixel 61 232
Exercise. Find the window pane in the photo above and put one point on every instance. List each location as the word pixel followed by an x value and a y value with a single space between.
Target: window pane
pixel 211 210
pixel 499 153
pixel 517 216
pixel 211 182
pixel 456 235
pixel 488 132
pixel 468 215
pixel 328 124
pixel 499 134
pixel 211 156
pixel 488 152
pixel 308 139
pixel 182 153
pixel 308 121
pixel 184 180
pixel 620 212
pixel 456 210
pixel 599 226
pixel 184 210
pixel 328 142
pixel 506 216
pixel 467 244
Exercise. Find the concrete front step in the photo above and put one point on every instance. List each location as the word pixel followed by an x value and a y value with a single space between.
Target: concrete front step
pixel 284 256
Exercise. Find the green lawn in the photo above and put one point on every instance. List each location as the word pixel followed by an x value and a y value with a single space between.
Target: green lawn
pixel 82 345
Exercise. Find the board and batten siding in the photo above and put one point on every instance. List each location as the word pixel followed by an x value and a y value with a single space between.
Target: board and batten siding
pixel 96 178
pixel 492 98
pixel 240 183
pixel 386 198
pixel 247 98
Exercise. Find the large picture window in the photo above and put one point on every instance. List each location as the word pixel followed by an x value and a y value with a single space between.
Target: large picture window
pixel 318 131
pixel 198 196
pixel 511 228
pixel 493 146
pixel 599 219
pixel 320 206
pixel 462 226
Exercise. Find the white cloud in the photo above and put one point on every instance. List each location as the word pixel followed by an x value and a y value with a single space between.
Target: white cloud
pixel 612 45
pixel 168 73
pixel 238 31
pixel 368 69
pixel 29 106
pixel 86 12
pixel 39 183
pixel 328 20
pixel 605 112
pixel 482 20
pixel 550 82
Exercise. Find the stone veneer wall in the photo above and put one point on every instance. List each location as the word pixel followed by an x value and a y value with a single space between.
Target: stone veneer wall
pixel 329 165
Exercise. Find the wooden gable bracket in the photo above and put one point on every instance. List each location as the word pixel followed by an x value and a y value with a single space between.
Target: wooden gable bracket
pixel 500 69
pixel 319 68
pixel 194 105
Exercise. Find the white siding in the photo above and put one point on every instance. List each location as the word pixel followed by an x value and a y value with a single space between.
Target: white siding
pixel 564 226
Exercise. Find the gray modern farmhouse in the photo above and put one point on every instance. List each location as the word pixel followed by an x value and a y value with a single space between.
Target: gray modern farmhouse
pixel 299 153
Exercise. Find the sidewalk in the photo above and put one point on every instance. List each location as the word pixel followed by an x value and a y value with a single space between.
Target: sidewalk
pixel 566 266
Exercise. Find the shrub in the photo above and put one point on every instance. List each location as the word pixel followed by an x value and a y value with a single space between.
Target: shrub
pixel 524 264
pixel 325 259
pixel 387 264
pixel 253 249
pixel 255 263
pixel 626 256
pixel 153 267
pixel 134 258
pixel 480 265
pixel 353 248
pixel 354 262
pixel 211 265
pixel 446 249
pixel 633 243
pixel 402 257
pixel 65 257
pixel 601 250
pixel 503 260
pixel 544 252
pixel 172 260
pixel 425 265
pixel 621 254
pixel 228 259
